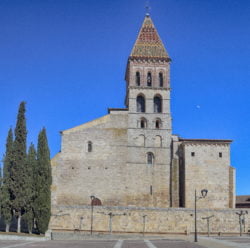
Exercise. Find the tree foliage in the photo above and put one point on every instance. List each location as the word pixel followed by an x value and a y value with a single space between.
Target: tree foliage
pixel 30 193
pixel 17 172
pixel 25 185
pixel 5 197
pixel 42 204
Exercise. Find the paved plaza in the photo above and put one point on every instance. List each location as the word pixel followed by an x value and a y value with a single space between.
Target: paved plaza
pixel 225 242
pixel 214 242
pixel 100 244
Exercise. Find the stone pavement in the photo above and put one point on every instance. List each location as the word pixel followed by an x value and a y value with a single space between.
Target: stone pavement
pixel 131 241
pixel 225 242
pixel 100 244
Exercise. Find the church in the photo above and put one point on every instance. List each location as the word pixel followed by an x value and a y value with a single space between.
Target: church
pixel 130 157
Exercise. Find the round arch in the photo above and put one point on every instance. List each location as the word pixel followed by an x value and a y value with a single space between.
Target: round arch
pixel 157 104
pixel 140 103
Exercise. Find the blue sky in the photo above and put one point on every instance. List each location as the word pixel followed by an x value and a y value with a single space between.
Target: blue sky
pixel 67 60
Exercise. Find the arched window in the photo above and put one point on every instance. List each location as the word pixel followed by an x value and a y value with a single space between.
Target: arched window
pixel 140 104
pixel 143 123
pixel 158 123
pixel 149 79
pixel 137 78
pixel 150 158
pixel 160 79
pixel 157 104
pixel 89 146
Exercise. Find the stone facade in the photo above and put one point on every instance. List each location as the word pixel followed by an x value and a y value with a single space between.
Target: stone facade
pixel 205 164
pixel 78 174
pixel 130 157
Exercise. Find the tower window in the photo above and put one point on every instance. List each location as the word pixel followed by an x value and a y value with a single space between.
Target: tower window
pixel 143 123
pixel 220 154
pixel 89 146
pixel 149 79
pixel 192 154
pixel 151 190
pixel 137 78
pixel 150 158
pixel 160 79
pixel 157 123
pixel 157 104
pixel 140 104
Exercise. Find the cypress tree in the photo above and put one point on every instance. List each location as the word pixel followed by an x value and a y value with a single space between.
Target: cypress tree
pixel 17 175
pixel 6 207
pixel 30 187
pixel 42 205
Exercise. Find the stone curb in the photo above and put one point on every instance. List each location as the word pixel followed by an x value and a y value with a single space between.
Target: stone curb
pixel 24 238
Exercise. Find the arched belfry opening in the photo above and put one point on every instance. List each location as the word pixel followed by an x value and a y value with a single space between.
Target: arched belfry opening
pixel 140 104
pixel 160 79
pixel 149 79
pixel 157 104
pixel 137 78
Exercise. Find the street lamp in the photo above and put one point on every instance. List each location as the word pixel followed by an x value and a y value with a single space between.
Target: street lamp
pixel 196 198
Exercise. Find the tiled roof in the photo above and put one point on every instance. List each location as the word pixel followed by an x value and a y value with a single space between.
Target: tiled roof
pixel 206 140
pixel 148 43
pixel 243 199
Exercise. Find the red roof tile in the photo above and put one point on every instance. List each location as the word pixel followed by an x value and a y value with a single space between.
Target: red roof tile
pixel 148 43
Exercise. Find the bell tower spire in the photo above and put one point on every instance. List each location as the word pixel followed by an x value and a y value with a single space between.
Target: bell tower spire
pixel 148 63
pixel 148 43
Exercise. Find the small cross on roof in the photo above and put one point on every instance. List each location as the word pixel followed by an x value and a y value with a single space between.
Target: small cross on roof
pixel 147 8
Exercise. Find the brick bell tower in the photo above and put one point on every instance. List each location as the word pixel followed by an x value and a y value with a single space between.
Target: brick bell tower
pixel 149 118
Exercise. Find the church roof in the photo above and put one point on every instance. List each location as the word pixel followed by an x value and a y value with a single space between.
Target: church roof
pixel 205 140
pixel 243 199
pixel 148 43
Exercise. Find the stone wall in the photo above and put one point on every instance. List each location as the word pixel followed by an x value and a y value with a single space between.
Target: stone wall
pixel 232 195
pixel 207 165
pixel 78 174
pixel 116 170
pixel 158 220
pixel 176 175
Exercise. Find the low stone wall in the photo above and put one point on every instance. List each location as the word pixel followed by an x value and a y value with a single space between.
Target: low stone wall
pixel 157 220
